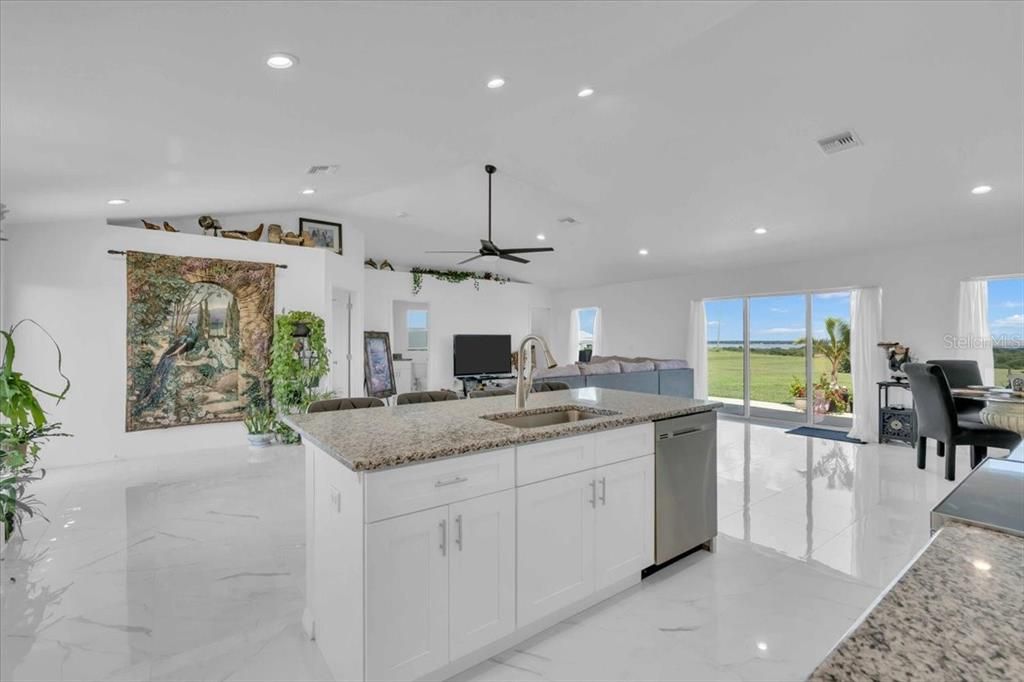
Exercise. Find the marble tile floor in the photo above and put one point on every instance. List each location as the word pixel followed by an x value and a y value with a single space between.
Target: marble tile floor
pixel 191 568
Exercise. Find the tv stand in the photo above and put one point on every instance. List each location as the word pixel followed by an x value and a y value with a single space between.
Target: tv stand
pixel 474 381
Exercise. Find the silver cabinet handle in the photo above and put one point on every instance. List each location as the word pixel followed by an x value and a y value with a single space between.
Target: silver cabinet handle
pixel 593 494
pixel 603 491
pixel 458 531
pixel 444 537
pixel 451 481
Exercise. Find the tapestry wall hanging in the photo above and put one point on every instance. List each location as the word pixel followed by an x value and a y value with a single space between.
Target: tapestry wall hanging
pixel 199 332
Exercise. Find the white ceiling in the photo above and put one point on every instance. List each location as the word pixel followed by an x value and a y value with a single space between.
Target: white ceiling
pixel 703 125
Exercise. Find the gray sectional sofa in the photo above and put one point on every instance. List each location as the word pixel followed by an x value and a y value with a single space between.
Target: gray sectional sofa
pixel 627 374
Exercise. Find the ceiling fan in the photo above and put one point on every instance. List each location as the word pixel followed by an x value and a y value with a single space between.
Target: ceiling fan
pixel 488 249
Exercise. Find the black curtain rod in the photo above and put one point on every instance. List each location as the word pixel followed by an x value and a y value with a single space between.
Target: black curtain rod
pixel 114 252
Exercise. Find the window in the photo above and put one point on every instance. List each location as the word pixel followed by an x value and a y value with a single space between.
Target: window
pixel 584 332
pixel 416 329
pixel 1006 325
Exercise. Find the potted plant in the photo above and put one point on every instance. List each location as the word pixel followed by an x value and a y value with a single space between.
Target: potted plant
pixel 21 436
pixel 298 360
pixel 259 423
pixel 798 391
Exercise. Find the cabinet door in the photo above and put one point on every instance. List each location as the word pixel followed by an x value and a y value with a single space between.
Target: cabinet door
pixel 407 595
pixel 481 571
pixel 555 550
pixel 624 527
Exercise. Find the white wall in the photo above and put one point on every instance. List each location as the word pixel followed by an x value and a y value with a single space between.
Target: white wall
pixel 919 287
pixel 454 309
pixel 62 276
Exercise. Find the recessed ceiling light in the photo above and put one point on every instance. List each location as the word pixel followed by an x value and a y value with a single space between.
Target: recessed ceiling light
pixel 401 214
pixel 309 190
pixel 982 565
pixel 585 92
pixel 760 230
pixel 763 646
pixel 541 237
pixel 981 189
pixel 117 202
pixel 280 60
pixel 643 252
pixel 495 82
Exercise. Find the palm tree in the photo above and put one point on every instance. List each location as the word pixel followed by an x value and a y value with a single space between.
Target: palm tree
pixel 835 348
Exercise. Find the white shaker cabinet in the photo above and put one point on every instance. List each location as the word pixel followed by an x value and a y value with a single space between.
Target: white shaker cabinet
pixel 407 595
pixel 624 520
pixel 555 558
pixel 481 571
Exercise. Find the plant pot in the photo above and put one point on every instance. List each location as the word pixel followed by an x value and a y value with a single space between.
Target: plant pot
pixel 800 404
pixel 260 440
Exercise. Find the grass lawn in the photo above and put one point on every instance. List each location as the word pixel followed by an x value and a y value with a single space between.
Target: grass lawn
pixel 770 375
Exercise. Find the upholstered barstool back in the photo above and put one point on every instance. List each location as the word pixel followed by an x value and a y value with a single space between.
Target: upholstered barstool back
pixel 332 404
pixel 489 392
pixel 550 386
pixel 426 397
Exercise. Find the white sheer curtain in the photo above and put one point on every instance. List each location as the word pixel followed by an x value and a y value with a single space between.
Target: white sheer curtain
pixel 574 337
pixel 598 344
pixel 697 349
pixel 867 361
pixel 974 342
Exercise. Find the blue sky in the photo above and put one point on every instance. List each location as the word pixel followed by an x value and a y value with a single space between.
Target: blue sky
pixel 587 320
pixel 1006 308
pixel 774 318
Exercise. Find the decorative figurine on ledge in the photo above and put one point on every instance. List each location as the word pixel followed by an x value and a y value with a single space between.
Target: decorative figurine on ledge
pixel 210 223
pixel 274 233
pixel 151 226
pixel 254 235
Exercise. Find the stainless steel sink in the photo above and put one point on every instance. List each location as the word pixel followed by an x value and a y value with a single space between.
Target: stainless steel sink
pixel 536 419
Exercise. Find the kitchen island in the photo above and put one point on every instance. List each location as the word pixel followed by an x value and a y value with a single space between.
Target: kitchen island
pixel 441 534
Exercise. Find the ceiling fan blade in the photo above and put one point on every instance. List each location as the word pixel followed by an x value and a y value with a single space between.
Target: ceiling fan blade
pixel 543 249
pixel 451 252
pixel 504 256
pixel 463 262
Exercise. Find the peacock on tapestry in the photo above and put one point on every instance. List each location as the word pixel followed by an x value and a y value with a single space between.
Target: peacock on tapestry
pixel 199 333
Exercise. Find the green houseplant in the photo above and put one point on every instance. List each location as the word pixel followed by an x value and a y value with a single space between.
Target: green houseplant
pixel 298 360
pixel 259 423
pixel 24 432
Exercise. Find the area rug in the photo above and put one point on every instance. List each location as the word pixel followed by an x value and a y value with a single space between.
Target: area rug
pixel 828 434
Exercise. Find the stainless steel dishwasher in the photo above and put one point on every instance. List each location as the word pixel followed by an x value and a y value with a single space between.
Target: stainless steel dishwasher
pixel 685 485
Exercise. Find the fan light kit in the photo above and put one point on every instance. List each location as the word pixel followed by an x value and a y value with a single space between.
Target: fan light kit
pixel 982 189
pixel 280 60
pixel 495 83
pixel 117 202
pixel 488 250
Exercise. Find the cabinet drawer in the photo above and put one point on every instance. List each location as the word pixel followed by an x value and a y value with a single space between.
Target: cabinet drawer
pixel 616 445
pixel 421 486
pixel 540 461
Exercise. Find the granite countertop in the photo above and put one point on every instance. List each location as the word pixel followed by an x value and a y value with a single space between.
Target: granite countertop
pixel 957 613
pixel 384 437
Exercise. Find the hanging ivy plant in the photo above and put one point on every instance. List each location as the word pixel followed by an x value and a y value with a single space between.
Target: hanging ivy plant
pixel 292 375
pixel 452 277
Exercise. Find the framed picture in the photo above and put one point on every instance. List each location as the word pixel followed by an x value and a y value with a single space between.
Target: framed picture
pixel 324 235
pixel 380 373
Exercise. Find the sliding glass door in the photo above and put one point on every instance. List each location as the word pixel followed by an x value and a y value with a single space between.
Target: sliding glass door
pixel 782 357
pixel 778 358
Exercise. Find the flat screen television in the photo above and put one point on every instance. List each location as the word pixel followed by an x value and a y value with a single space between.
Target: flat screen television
pixel 482 354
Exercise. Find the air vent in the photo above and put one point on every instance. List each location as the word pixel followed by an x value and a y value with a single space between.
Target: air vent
pixel 569 220
pixel 841 142
pixel 322 170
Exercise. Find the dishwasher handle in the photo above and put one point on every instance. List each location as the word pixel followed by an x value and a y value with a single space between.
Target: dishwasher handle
pixel 681 432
